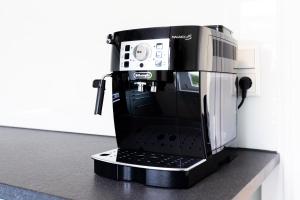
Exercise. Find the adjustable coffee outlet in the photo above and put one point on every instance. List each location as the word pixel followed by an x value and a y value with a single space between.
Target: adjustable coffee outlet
pixel 140 86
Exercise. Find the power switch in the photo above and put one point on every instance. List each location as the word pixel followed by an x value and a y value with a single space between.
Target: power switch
pixel 127 47
pixel 126 64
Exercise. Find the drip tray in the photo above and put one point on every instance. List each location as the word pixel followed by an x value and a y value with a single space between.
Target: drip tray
pixel 156 169
pixel 143 159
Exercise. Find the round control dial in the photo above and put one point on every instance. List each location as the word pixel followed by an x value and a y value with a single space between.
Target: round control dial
pixel 141 52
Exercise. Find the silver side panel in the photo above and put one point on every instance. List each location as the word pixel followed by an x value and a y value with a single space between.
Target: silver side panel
pixel 208 98
pixel 218 111
pixel 210 59
pixel 219 107
pixel 227 64
pixel 205 49
pixel 229 108
pixel 219 64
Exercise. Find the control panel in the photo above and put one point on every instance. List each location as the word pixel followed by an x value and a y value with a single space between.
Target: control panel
pixel 144 55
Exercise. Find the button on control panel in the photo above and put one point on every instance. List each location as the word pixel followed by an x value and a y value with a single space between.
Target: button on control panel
pixel 159 46
pixel 145 55
pixel 158 63
pixel 158 54
pixel 126 64
pixel 127 48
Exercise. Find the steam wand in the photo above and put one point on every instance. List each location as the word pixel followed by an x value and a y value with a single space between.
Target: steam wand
pixel 100 85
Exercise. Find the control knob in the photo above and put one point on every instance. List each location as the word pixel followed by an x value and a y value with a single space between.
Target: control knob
pixel 141 52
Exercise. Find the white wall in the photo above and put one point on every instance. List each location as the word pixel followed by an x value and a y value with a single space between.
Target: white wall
pixel 258 120
pixel 289 137
pixel 50 51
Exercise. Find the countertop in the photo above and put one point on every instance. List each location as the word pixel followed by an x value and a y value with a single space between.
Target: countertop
pixel 36 164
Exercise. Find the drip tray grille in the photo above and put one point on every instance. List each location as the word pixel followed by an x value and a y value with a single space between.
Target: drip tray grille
pixel 143 158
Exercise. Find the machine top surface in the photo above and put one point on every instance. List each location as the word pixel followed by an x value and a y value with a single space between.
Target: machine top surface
pixel 219 28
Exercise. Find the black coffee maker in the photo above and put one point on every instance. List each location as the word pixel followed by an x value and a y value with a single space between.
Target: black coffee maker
pixel 174 104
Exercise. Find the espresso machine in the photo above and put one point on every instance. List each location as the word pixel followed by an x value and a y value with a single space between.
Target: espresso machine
pixel 174 102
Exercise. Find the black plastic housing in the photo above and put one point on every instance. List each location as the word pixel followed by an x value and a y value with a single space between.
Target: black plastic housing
pixel 183 108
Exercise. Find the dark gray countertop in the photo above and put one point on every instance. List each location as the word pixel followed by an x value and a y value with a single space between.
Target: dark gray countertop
pixel 35 163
